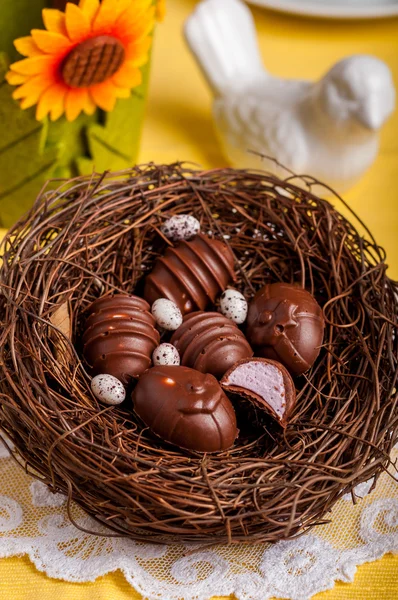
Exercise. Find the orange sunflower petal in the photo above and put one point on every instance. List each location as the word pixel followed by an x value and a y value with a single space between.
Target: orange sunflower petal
pixel 58 108
pixel 56 96
pixel 26 46
pixel 135 22
pixel 77 23
pixel 122 92
pixel 138 52
pixel 90 107
pixel 15 78
pixel 34 65
pixel 127 76
pixel 137 6
pixel 104 95
pixel 47 100
pixel 90 8
pixel 54 20
pixel 130 28
pixel 75 102
pixel 27 102
pixel 34 96
pixel 50 42
pixel 34 87
pixel 121 7
pixel 105 19
pixel 136 11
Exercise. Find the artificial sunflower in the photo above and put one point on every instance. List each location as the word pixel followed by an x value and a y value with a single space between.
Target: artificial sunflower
pixel 87 57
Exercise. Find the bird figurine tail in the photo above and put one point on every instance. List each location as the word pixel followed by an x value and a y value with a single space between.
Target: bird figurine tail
pixel 222 36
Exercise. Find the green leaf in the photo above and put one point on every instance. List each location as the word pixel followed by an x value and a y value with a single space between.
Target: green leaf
pixel 115 144
pixel 26 162
pixel 17 19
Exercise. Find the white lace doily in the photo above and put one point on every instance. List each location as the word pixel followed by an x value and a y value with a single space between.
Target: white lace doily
pixel 33 521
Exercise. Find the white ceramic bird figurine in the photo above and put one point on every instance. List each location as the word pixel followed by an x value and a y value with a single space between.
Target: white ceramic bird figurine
pixel 327 129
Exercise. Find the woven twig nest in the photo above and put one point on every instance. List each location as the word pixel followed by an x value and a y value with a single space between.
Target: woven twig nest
pixel 94 235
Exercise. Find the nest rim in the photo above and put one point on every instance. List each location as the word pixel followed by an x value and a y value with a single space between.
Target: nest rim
pixel 100 234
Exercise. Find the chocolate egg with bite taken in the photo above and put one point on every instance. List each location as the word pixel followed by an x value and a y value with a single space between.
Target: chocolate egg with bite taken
pixel 265 383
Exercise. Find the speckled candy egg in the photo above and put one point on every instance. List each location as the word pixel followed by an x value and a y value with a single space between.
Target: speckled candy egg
pixel 166 354
pixel 167 314
pixel 181 227
pixel 233 305
pixel 108 389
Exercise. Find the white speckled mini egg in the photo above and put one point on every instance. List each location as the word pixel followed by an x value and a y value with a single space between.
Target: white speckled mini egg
pixel 233 305
pixel 166 354
pixel 181 227
pixel 108 389
pixel 167 314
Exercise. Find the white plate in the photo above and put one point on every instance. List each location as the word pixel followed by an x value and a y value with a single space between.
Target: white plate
pixel 335 9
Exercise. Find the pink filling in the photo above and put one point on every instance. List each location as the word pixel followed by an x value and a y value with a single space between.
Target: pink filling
pixel 262 379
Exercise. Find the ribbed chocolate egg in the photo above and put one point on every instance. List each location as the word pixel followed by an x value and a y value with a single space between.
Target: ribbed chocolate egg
pixel 191 274
pixel 120 337
pixel 210 343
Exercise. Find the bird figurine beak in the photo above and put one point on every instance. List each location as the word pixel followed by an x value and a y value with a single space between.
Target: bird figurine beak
pixel 372 115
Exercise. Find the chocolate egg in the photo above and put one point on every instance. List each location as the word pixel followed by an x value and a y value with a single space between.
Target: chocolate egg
pixel 186 408
pixel 192 274
pixel 286 323
pixel 120 337
pixel 210 343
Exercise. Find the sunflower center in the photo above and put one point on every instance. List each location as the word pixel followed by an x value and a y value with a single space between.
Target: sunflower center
pixel 93 61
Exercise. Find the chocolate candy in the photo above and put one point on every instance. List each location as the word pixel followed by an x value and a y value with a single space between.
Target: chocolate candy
pixel 191 274
pixel 266 383
pixel 285 323
pixel 93 61
pixel 120 337
pixel 210 343
pixel 185 407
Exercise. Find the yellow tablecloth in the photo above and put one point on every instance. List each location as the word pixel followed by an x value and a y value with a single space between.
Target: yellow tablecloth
pixel 178 127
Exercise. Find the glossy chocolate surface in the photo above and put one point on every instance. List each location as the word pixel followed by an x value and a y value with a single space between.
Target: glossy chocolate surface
pixel 192 274
pixel 186 407
pixel 286 323
pixel 210 343
pixel 120 337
